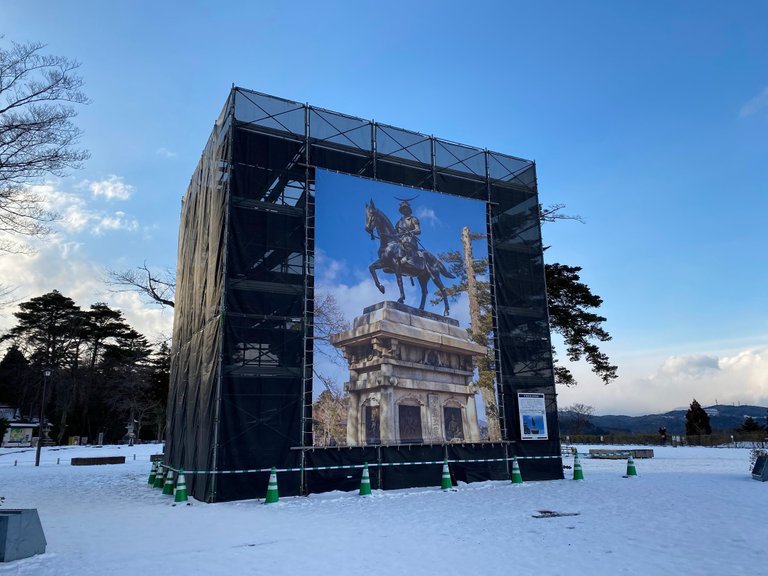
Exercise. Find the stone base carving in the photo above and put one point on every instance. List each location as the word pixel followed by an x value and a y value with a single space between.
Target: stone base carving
pixel 410 377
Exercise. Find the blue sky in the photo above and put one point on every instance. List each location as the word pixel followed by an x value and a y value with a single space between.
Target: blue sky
pixel 648 119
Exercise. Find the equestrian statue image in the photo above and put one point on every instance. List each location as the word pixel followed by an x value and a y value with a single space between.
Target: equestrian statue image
pixel 401 253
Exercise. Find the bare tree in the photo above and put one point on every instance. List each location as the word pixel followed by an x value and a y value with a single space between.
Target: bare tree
pixel 158 287
pixel 577 415
pixel 37 135
pixel 329 414
pixel 329 319
pixel 552 213
pixel 6 296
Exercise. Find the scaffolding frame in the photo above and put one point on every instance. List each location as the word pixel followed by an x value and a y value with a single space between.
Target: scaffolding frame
pixel 274 146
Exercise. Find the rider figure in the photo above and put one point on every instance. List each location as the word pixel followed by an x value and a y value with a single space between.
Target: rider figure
pixel 408 230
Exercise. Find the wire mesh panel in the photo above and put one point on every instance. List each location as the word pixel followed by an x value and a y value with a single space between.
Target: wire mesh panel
pixel 458 158
pixel 339 129
pixel 403 145
pixel 503 168
pixel 262 111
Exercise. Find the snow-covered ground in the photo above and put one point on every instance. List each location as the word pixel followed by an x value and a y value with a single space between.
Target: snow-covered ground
pixel 690 511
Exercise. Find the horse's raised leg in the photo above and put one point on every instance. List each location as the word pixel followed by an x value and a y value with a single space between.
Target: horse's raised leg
pixel 372 269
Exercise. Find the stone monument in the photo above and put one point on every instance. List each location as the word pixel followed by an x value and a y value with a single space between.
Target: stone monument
pixel 410 377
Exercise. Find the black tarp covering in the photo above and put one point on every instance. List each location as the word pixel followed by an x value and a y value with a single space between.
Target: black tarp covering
pixel 345 479
pixel 478 471
pixel 410 473
pixel 195 354
pixel 524 351
pixel 241 377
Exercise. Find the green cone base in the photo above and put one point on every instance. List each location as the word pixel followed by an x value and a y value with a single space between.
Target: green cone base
pixel 445 482
pixel 578 474
pixel 158 478
pixel 168 486
pixel 365 483
pixel 272 495
pixel 180 494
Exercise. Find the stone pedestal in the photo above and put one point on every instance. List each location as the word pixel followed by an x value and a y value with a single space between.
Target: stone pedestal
pixel 410 377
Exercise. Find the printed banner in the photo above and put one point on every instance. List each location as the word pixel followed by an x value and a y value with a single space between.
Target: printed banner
pixel 533 416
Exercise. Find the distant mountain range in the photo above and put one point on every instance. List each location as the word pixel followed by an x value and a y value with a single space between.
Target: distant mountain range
pixel 722 418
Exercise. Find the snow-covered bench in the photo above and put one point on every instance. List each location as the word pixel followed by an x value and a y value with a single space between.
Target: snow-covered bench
pixel 614 454
pixel 95 461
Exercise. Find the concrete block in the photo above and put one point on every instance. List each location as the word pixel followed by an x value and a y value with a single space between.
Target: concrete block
pixel 21 534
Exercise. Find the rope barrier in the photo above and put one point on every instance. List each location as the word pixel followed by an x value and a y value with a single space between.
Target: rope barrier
pixel 354 466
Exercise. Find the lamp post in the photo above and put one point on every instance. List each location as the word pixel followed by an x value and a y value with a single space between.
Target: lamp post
pixel 46 375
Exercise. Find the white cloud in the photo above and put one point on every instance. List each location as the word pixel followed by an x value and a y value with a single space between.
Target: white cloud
pixel 327 270
pixel 61 262
pixel 728 377
pixel 153 322
pixel 116 221
pixel 428 215
pixel 64 266
pixel 690 366
pixel 749 374
pixel 165 152
pixel 113 188
pixel 77 216
pixel 755 105
pixel 352 299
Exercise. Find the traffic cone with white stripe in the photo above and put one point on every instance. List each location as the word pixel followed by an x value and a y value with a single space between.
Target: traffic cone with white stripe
pixel 152 474
pixel 578 474
pixel 168 486
pixel 272 495
pixel 517 478
pixel 631 470
pixel 159 476
pixel 445 483
pixel 180 494
pixel 365 482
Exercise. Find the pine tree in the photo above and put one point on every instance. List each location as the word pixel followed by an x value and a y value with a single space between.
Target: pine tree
pixel 571 304
pixel 750 425
pixel 14 374
pixel 4 424
pixel 697 420
pixel 102 370
pixel 160 379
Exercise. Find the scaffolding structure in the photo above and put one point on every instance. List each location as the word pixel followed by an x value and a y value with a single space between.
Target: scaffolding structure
pixel 242 356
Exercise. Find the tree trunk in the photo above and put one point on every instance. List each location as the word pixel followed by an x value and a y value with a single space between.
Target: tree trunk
pixel 491 413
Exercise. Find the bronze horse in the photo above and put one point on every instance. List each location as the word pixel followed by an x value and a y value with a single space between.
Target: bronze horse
pixel 391 255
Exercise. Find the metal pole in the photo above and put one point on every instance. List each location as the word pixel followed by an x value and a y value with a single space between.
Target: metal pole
pixel 46 374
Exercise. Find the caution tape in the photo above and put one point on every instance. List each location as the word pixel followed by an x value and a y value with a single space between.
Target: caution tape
pixel 354 466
